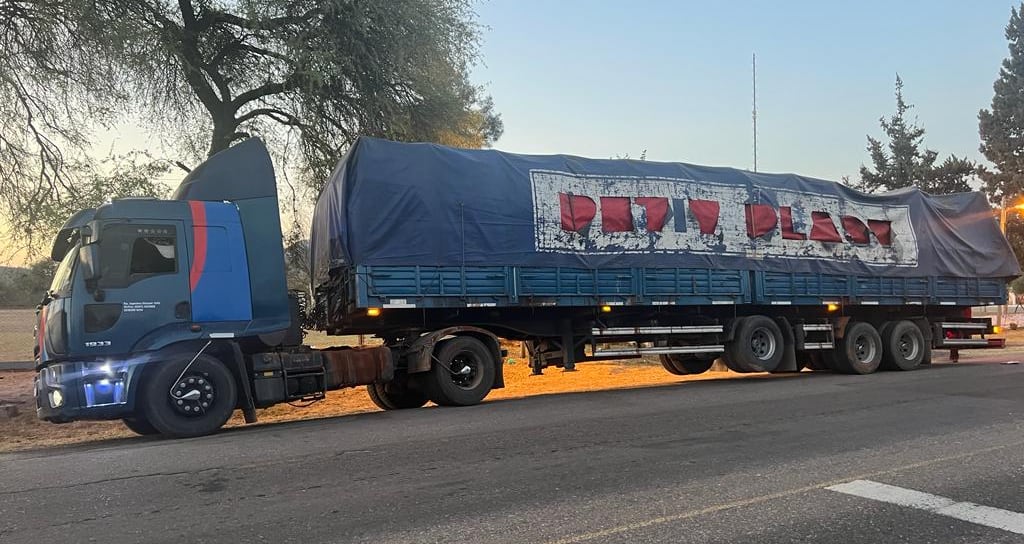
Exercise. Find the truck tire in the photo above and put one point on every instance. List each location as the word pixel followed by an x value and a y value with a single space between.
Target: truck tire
pixel 903 346
pixel 860 350
pixel 392 396
pixel 207 390
pixel 756 346
pixel 669 365
pixel 139 425
pixel 682 364
pixel 462 374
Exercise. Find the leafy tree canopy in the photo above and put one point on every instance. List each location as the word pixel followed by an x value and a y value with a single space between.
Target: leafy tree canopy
pixel 1002 132
pixel 1002 126
pixel 202 74
pixel 904 162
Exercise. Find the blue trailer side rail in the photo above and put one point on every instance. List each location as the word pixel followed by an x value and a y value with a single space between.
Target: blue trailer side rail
pixel 797 288
pixel 504 286
pixel 482 286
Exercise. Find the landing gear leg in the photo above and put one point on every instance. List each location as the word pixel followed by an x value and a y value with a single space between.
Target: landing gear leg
pixel 568 348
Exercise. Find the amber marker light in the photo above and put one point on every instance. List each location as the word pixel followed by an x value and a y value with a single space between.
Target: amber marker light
pixel 373 312
pixel 833 307
pixel 997 329
pixel 606 309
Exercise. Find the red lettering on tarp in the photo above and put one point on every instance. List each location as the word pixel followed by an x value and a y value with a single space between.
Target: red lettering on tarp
pixel 882 230
pixel 577 211
pixel 616 215
pixel 706 213
pixel 856 231
pixel 788 232
pixel 823 229
pixel 657 211
pixel 761 219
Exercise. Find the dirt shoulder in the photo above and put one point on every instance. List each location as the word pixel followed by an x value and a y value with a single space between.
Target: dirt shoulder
pixel 24 431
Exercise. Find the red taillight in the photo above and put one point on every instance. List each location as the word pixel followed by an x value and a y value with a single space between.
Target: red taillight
pixel 950 334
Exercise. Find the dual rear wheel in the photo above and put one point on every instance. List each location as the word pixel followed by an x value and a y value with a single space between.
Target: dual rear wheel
pixel 896 345
pixel 756 345
pixel 462 375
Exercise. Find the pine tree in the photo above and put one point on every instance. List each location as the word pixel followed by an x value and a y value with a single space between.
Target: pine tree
pixel 1002 127
pixel 905 162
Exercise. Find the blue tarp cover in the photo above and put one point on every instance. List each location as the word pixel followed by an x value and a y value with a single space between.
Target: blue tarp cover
pixel 391 203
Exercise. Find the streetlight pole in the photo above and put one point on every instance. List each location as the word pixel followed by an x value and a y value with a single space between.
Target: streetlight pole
pixel 1002 229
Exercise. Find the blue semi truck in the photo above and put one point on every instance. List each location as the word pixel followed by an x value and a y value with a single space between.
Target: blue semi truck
pixel 171 314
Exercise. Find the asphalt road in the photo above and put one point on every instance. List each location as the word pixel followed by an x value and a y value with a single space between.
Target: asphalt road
pixel 748 460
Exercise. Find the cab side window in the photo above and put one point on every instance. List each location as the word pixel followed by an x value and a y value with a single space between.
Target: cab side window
pixel 129 253
pixel 152 255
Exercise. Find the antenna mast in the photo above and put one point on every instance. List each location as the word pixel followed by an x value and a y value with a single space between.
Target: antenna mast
pixel 754 114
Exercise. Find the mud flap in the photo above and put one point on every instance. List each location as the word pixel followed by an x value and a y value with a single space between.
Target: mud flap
pixel 242 375
pixel 788 362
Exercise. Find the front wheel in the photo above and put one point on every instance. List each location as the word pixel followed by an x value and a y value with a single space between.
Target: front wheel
pixel 139 425
pixel 463 372
pixel 183 400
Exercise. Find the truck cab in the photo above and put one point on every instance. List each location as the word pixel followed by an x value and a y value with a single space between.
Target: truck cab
pixel 141 280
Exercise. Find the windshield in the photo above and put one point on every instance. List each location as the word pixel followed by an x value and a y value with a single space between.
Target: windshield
pixel 61 284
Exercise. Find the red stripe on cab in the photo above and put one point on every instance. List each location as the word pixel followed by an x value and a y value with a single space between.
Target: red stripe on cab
pixel 199 242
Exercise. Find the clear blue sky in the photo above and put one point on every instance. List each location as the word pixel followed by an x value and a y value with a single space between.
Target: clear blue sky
pixel 602 78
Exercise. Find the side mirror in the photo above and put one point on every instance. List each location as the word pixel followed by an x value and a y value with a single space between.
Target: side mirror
pixel 89 260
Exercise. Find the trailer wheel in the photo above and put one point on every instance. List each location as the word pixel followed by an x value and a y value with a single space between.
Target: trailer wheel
pixel 139 425
pixel 756 346
pixel 681 364
pixel 182 400
pixel 860 351
pixel 462 373
pixel 670 366
pixel 903 345
pixel 393 396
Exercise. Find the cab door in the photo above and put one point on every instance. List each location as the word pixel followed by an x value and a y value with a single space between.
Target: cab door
pixel 142 287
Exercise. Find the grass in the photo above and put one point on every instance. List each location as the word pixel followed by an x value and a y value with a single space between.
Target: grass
pixel 16 334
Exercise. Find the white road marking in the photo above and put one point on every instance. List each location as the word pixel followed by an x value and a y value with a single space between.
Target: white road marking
pixel 964 511
pixel 689 514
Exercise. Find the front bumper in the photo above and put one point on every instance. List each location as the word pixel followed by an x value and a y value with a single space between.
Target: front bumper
pixel 68 391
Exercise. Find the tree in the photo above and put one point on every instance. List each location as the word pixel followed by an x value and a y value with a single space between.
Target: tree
pixel 51 85
pixel 1002 127
pixel 1002 132
pixel 330 70
pixel 903 163
pixel 97 182
pixel 206 74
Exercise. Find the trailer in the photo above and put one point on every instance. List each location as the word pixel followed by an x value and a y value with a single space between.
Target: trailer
pixel 171 314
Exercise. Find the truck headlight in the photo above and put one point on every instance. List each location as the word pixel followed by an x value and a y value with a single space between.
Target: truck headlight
pixel 56 398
